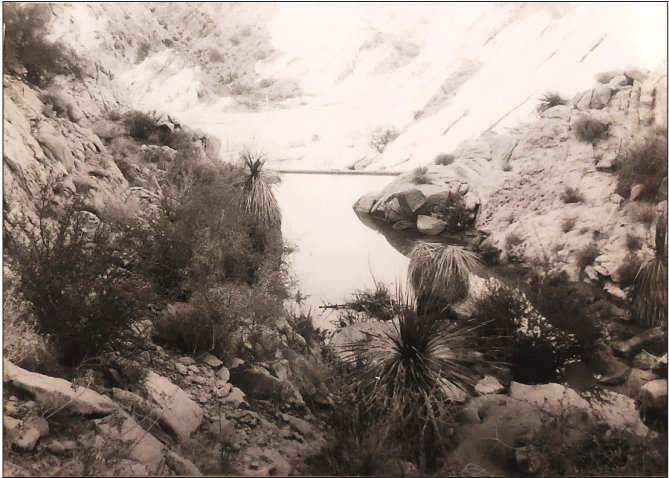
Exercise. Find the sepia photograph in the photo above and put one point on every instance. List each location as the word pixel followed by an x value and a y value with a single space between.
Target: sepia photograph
pixel 335 239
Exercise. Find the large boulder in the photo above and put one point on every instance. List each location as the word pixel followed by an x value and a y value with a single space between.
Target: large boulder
pixel 55 392
pixel 54 144
pixel 264 387
pixel 366 202
pixel 181 413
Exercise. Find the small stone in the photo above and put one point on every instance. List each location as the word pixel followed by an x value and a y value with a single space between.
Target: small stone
pixel 236 397
pixel 470 415
pixel 11 426
pixel 616 198
pixel 430 225
pixel 488 385
pixel 619 82
pixel 635 73
pixel 236 362
pixel 28 439
pixel 529 460
pixel 187 360
pixel 224 389
pixel 223 373
pixel 194 368
pixel 605 77
pixel 645 361
pixel 636 190
pixel 181 368
pixel 210 360
pixel 56 447
pixel 653 395
pixel 39 424
pixel 199 379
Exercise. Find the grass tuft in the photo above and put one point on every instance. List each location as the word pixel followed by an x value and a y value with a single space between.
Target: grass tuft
pixel 420 175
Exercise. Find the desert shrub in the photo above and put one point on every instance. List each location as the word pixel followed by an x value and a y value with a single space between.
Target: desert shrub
pixel 644 163
pixel 587 256
pixel 549 100
pixel 246 31
pixel 453 211
pixel 215 56
pixel 628 270
pixel 642 213
pixel 143 50
pixel 23 345
pixel 588 129
pixel 514 332
pixel 140 126
pixel 74 275
pixel 571 196
pixel 114 115
pixel 260 55
pixel 303 324
pixel 568 224
pixel 235 40
pixel 420 175
pixel 26 48
pixel 381 138
pixel 649 291
pixel 168 42
pixel 407 375
pixel 633 242
pixel 444 159
pixel 266 83
pixel 439 273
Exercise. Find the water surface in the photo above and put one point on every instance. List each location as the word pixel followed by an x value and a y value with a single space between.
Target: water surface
pixel 336 253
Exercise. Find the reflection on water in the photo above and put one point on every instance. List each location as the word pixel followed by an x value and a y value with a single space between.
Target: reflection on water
pixel 336 253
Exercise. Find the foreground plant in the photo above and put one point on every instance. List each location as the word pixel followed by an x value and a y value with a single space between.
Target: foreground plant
pixel 649 293
pixel 410 373
pixel 440 272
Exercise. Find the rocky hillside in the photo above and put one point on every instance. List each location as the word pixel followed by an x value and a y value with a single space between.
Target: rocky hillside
pixel 413 69
pixel 541 193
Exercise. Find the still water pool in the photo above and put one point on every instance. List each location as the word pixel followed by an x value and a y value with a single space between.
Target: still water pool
pixel 336 253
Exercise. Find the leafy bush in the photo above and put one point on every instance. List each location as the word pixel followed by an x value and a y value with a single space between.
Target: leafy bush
pixel 571 196
pixel 439 273
pixel 453 211
pixel 568 224
pixel 633 242
pixel 74 275
pixel 142 127
pixel 642 213
pixel 514 332
pixel 587 256
pixel 381 138
pixel 628 270
pixel 588 129
pixel 444 159
pixel 644 163
pixel 420 175
pixel 143 51
pixel 26 47
pixel 549 100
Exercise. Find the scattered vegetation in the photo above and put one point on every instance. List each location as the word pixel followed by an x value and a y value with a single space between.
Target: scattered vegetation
pixel 260 202
pixel 587 256
pixel 444 159
pixel 572 195
pixel 420 175
pixel 644 163
pixel 628 271
pixel 649 291
pixel 642 213
pixel 588 129
pixel 28 53
pixel 549 100
pixel 381 138
pixel 143 50
pixel 568 224
pixel 633 242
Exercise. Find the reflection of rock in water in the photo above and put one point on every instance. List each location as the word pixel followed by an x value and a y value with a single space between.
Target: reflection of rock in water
pixel 401 239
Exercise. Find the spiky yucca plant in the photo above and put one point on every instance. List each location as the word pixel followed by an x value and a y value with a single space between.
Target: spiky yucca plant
pixel 259 199
pixel 548 100
pixel 408 372
pixel 649 293
pixel 440 272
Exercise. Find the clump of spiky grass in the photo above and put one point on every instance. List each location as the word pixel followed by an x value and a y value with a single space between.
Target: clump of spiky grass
pixel 649 294
pixel 549 100
pixel 411 371
pixel 259 199
pixel 440 271
pixel 420 175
